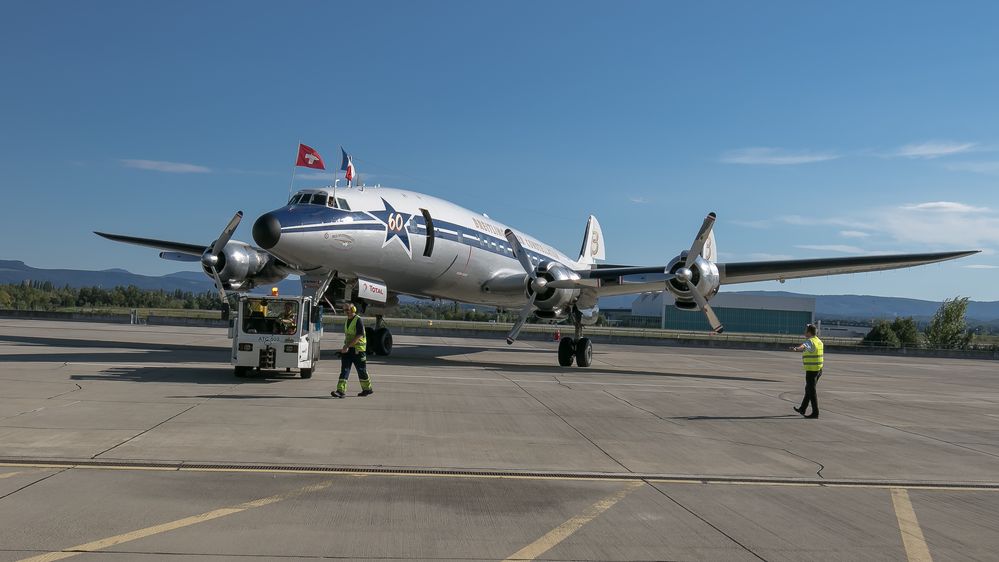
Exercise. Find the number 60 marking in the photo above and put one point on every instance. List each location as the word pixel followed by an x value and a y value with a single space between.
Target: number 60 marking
pixel 395 222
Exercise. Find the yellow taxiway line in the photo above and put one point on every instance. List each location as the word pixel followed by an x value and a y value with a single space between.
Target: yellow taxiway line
pixel 916 549
pixel 563 531
pixel 172 525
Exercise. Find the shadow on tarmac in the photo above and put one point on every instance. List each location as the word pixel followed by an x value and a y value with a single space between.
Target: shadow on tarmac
pixel 709 418
pixel 196 375
pixel 402 356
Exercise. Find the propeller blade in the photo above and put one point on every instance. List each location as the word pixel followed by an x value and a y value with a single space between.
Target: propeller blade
pixel 218 283
pixel 227 233
pixel 520 254
pixel 700 239
pixel 525 313
pixel 716 325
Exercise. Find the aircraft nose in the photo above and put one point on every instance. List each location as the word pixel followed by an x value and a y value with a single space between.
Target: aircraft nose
pixel 267 231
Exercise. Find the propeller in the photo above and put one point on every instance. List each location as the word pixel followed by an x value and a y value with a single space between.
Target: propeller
pixel 686 275
pixel 210 259
pixel 538 284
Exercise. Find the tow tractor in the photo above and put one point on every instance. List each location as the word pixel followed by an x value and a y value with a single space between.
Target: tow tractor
pixel 274 332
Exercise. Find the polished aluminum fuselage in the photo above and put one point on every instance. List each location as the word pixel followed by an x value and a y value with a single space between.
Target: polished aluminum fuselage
pixel 384 237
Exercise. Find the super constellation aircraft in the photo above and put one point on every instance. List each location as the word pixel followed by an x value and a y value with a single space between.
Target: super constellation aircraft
pixel 368 245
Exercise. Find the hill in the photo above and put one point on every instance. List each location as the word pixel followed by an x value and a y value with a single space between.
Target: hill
pixel 827 307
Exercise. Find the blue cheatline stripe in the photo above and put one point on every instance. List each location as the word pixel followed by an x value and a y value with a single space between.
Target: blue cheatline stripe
pixel 443 231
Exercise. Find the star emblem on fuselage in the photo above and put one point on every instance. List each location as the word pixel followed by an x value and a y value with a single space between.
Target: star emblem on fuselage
pixel 396 224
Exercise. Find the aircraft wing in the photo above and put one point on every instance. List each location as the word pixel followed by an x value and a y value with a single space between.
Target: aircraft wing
pixel 180 247
pixel 747 272
pixel 608 281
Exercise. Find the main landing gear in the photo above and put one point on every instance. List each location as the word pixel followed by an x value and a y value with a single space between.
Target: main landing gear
pixel 379 338
pixel 578 348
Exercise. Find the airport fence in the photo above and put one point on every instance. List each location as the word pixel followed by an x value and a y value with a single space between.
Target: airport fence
pixel 535 332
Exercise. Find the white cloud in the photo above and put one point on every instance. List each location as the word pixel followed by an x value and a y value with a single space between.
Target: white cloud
pixel 980 266
pixel 763 223
pixel 940 224
pixel 763 256
pixel 841 248
pixel 847 223
pixel 933 149
pixel 945 207
pixel 775 156
pixel 161 166
pixel 977 167
pixel 854 234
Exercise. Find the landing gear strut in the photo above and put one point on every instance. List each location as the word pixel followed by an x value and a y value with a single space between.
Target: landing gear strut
pixel 578 348
pixel 379 337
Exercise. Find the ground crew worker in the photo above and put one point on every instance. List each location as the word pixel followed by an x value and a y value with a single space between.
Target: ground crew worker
pixel 811 356
pixel 353 353
pixel 288 319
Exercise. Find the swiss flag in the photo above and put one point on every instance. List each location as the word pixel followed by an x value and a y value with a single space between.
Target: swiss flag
pixel 309 158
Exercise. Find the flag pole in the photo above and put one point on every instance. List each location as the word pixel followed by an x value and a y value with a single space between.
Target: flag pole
pixel 294 168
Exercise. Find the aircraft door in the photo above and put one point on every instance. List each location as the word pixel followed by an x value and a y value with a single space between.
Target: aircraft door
pixel 428 248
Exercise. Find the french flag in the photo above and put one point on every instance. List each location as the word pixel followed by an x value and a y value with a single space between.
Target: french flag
pixel 347 165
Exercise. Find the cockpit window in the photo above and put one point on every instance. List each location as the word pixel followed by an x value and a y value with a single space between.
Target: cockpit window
pixel 319 199
pixel 343 203
pixel 332 202
pixel 295 199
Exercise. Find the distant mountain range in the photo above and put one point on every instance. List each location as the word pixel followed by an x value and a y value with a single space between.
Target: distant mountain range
pixel 13 272
pixel 827 307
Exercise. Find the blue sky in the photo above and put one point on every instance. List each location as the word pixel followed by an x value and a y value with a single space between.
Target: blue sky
pixel 812 129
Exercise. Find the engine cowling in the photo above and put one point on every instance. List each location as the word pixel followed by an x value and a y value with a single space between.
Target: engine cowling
pixel 242 267
pixel 551 303
pixel 705 277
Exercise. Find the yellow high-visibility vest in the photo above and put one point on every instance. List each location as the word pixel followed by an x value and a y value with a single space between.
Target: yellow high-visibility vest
pixel 350 332
pixel 813 359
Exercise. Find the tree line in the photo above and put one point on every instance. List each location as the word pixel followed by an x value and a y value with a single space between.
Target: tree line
pixel 34 295
pixel 947 330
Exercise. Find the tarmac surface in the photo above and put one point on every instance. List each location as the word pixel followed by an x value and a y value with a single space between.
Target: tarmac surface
pixel 138 443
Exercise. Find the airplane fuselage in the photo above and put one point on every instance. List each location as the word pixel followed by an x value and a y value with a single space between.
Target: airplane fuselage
pixel 414 243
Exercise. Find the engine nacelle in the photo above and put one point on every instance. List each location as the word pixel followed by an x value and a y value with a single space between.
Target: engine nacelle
pixel 553 303
pixel 243 267
pixel 587 316
pixel 705 277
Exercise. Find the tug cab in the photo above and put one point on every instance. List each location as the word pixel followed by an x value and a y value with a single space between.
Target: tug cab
pixel 274 332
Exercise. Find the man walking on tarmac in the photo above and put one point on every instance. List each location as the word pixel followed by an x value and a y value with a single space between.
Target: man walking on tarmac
pixel 353 353
pixel 812 358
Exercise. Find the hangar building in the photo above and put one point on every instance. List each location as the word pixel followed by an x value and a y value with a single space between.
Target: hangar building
pixel 738 312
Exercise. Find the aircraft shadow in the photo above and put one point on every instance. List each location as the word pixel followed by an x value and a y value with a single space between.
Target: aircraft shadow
pixel 151 352
pixel 188 375
pixel 708 418
pixel 433 356
pixel 402 356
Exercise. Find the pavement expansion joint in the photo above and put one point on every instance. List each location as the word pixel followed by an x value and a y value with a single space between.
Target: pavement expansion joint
pixel 494 473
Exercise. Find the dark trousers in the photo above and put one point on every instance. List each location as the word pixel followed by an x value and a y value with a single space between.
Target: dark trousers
pixel 358 360
pixel 811 380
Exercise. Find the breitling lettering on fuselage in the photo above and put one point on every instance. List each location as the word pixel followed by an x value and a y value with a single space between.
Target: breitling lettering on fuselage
pixel 526 242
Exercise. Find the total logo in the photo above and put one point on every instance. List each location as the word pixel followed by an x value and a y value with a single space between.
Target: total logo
pixel 372 288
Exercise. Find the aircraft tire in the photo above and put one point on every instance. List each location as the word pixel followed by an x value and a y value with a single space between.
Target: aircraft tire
pixel 566 351
pixel 584 352
pixel 306 373
pixel 383 341
pixel 369 334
